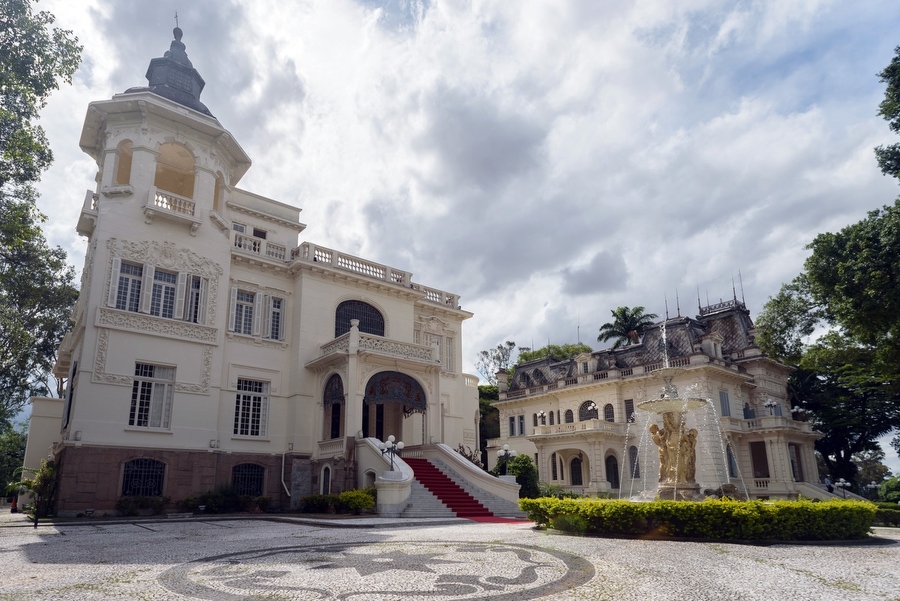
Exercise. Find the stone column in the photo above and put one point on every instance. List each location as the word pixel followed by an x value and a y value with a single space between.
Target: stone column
pixel 354 391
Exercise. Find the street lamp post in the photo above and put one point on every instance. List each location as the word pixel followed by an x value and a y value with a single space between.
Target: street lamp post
pixel 872 486
pixel 391 448
pixel 770 404
pixel 506 454
pixel 842 484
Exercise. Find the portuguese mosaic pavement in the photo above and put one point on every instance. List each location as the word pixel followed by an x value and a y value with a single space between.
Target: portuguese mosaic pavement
pixel 302 560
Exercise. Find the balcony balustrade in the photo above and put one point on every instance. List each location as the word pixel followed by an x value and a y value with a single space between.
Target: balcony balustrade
pixel 259 246
pixel 170 206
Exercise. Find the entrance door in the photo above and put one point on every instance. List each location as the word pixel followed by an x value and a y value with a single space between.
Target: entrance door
pixel 575 471
pixel 759 459
pixel 612 472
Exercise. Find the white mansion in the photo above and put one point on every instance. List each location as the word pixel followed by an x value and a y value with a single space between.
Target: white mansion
pixel 581 419
pixel 209 348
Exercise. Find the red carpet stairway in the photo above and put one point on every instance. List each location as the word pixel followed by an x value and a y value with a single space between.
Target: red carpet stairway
pixel 449 492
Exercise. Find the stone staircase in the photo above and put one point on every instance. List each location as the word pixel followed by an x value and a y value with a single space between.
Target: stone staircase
pixel 434 494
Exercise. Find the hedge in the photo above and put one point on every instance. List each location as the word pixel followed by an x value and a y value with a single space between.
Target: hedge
pixel 712 519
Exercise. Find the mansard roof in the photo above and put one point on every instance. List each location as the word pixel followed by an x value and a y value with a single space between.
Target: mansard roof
pixel 728 322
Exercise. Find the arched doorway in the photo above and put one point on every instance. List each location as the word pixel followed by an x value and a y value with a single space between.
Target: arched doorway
pixel 333 402
pixel 390 396
pixel 575 471
pixel 612 472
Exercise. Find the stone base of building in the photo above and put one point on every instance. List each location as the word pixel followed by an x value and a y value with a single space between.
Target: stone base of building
pixel 92 477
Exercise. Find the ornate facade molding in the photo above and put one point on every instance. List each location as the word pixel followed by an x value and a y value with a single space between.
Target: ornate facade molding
pixel 205 371
pixel 168 256
pixel 256 341
pixel 337 345
pixel 159 326
pixel 395 348
pixel 100 374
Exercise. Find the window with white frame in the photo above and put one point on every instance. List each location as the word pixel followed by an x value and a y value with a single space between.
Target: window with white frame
pixel 141 288
pixel 251 408
pixel 242 312
pixel 162 296
pixel 151 396
pixel 128 279
pixel 512 426
pixel 521 425
pixel 256 314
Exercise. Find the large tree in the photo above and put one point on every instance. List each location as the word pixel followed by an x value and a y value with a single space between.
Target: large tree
pixel 889 156
pixel 36 285
pixel 627 326
pixel 494 360
pixel 34 58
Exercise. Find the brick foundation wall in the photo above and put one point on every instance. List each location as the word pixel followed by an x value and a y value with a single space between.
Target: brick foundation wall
pixel 91 477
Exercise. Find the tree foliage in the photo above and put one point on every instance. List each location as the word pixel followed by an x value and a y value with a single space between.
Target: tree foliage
pixel 889 156
pixel 12 451
pixel 560 352
pixel 36 284
pixel 627 326
pixel 870 467
pixel 33 59
pixel 494 360
pixel 489 424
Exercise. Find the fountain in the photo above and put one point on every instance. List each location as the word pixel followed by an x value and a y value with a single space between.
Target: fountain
pixel 677 445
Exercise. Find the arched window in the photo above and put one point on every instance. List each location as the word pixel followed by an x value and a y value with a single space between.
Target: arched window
pixel 551 418
pixel 247 479
pixel 569 416
pixel 553 470
pixel 143 478
pixel 175 170
pixel 535 419
pixel 612 472
pixel 588 410
pixel 635 467
pixel 326 480
pixel 370 319
pixel 122 175
pixel 608 413
pixel 575 471
pixel 333 402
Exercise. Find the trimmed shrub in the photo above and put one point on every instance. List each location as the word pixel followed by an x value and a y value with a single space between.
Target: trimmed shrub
pixel 569 523
pixel 319 503
pixel 356 501
pixel 712 519
pixel 129 506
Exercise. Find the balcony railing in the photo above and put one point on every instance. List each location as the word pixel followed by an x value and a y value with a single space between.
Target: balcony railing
pixel 331 448
pixel 381 346
pixel 370 269
pixel 172 207
pixel 87 221
pixel 591 425
pixel 259 246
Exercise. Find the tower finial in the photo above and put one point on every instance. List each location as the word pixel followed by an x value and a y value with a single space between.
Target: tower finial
pixel 176 19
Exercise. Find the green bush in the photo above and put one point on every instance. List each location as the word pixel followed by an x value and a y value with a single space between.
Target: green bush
pixel 356 501
pixel 715 519
pixel 887 516
pixel 553 490
pixel 141 505
pixel 319 503
pixel 224 499
pixel 569 523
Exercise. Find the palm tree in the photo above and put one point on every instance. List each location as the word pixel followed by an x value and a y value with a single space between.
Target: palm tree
pixel 627 327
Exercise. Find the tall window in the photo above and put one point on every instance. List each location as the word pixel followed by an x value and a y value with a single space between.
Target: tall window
pixel 629 410
pixel 551 418
pixel 553 470
pixel 128 289
pixel 143 478
pixel 123 163
pixel 370 319
pixel 274 318
pixel 535 420
pixel 195 308
pixel 575 471
pixel 512 425
pixel 612 472
pixel 521 425
pixel 247 479
pixel 608 413
pixel 570 417
pixel 162 299
pixel 251 408
pixel 243 312
pixel 724 404
pixel 634 466
pixel 151 396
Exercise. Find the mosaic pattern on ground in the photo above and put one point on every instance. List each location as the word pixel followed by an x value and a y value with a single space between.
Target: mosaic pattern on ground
pixel 435 571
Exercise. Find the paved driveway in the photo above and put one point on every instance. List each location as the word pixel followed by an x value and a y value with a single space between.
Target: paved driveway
pixel 374 559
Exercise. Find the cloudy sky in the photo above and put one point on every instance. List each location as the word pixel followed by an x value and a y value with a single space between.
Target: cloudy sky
pixel 547 160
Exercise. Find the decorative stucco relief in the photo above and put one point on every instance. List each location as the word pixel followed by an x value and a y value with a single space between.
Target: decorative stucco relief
pixel 168 256
pixel 396 349
pixel 127 320
pixel 205 371
pixel 100 374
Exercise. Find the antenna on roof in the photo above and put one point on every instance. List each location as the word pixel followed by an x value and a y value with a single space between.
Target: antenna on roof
pixel 578 329
pixel 666 299
pixel 677 303
pixel 733 291
pixel 699 305
pixel 741 280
